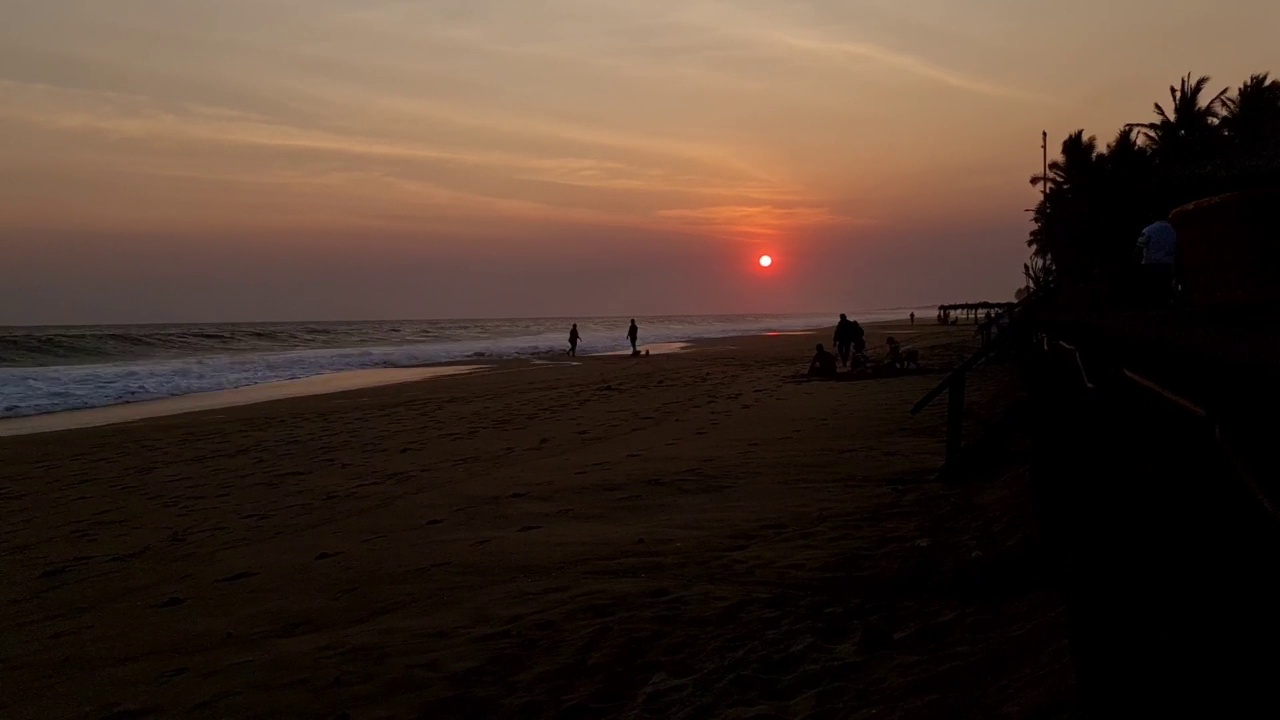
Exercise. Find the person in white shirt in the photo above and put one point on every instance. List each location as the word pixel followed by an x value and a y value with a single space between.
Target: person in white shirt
pixel 1157 248
pixel 1158 244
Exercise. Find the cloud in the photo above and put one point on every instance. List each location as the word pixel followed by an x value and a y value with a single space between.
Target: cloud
pixel 759 222
pixel 907 63
pixel 183 137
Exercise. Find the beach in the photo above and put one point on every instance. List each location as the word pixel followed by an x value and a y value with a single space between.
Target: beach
pixel 692 534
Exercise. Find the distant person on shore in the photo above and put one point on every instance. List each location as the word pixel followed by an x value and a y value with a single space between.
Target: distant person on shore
pixel 633 334
pixel 823 364
pixel 913 317
pixel 574 337
pixel 843 339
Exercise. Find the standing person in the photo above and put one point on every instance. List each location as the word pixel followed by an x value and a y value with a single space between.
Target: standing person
pixel 633 334
pixel 1157 250
pixel 859 337
pixel 574 337
pixel 843 339
pixel 913 317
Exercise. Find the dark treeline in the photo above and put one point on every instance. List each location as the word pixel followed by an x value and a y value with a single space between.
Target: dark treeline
pixel 1098 199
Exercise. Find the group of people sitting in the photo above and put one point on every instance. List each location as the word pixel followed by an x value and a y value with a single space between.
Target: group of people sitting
pixel 851 345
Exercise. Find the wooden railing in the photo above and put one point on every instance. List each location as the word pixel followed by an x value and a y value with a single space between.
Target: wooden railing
pixel 1022 314
pixel 954 383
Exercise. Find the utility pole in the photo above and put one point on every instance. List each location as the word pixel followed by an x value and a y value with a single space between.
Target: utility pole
pixel 1044 151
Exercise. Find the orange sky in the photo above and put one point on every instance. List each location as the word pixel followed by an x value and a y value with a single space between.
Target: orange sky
pixel 243 159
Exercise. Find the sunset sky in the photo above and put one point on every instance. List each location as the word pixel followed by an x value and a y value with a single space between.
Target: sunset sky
pixel 204 160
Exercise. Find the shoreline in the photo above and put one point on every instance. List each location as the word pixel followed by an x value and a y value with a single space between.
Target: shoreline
pixel 353 380
pixel 322 384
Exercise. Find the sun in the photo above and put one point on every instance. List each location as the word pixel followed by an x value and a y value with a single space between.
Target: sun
pixel 765 261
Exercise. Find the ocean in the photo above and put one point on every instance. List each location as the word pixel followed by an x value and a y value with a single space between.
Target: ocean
pixel 49 369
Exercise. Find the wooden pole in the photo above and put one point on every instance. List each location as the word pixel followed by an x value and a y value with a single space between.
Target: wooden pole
pixel 955 418
pixel 1044 154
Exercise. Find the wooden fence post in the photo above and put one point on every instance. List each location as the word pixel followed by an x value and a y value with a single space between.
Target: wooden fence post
pixel 955 418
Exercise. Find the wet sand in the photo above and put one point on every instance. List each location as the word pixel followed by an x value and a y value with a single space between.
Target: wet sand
pixel 195 402
pixel 697 534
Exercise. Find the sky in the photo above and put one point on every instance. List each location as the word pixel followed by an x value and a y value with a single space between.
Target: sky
pixel 193 160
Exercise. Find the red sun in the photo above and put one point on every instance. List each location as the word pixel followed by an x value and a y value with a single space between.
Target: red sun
pixel 765 261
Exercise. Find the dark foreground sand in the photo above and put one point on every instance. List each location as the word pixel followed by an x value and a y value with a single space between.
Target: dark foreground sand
pixel 684 536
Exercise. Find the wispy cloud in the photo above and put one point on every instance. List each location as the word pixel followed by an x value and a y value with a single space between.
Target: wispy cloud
pixel 389 175
pixel 757 222
pixel 909 64
pixel 779 30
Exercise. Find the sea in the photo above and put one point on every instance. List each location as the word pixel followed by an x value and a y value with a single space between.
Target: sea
pixel 56 368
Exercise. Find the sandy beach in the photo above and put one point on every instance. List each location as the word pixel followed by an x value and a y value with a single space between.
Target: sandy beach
pixel 693 534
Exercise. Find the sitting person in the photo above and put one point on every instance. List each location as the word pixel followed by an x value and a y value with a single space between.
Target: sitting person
pixel 910 358
pixel 895 352
pixel 823 364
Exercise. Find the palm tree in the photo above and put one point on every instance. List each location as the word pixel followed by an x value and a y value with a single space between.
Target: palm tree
pixel 1186 129
pixel 1251 117
pixel 1124 153
pixel 1074 168
pixel 1064 215
pixel 1096 202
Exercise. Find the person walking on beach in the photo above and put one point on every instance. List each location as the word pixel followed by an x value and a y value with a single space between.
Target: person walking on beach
pixel 843 339
pixel 574 337
pixel 913 317
pixel 633 334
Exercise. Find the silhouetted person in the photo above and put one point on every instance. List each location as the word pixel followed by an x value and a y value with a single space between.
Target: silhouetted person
pixel 574 337
pixel 913 317
pixel 859 338
pixel 895 352
pixel 823 364
pixel 843 338
pixel 1157 249
pixel 633 334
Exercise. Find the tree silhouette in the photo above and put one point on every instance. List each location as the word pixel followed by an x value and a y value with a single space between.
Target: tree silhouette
pixel 1096 202
pixel 1189 127
pixel 1251 117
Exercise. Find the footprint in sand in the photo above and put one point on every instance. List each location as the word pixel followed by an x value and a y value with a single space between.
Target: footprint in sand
pixel 515 495
pixel 433 521
pixel 480 543
pixel 327 555
pixel 172 674
pixel 529 528
pixel 245 575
